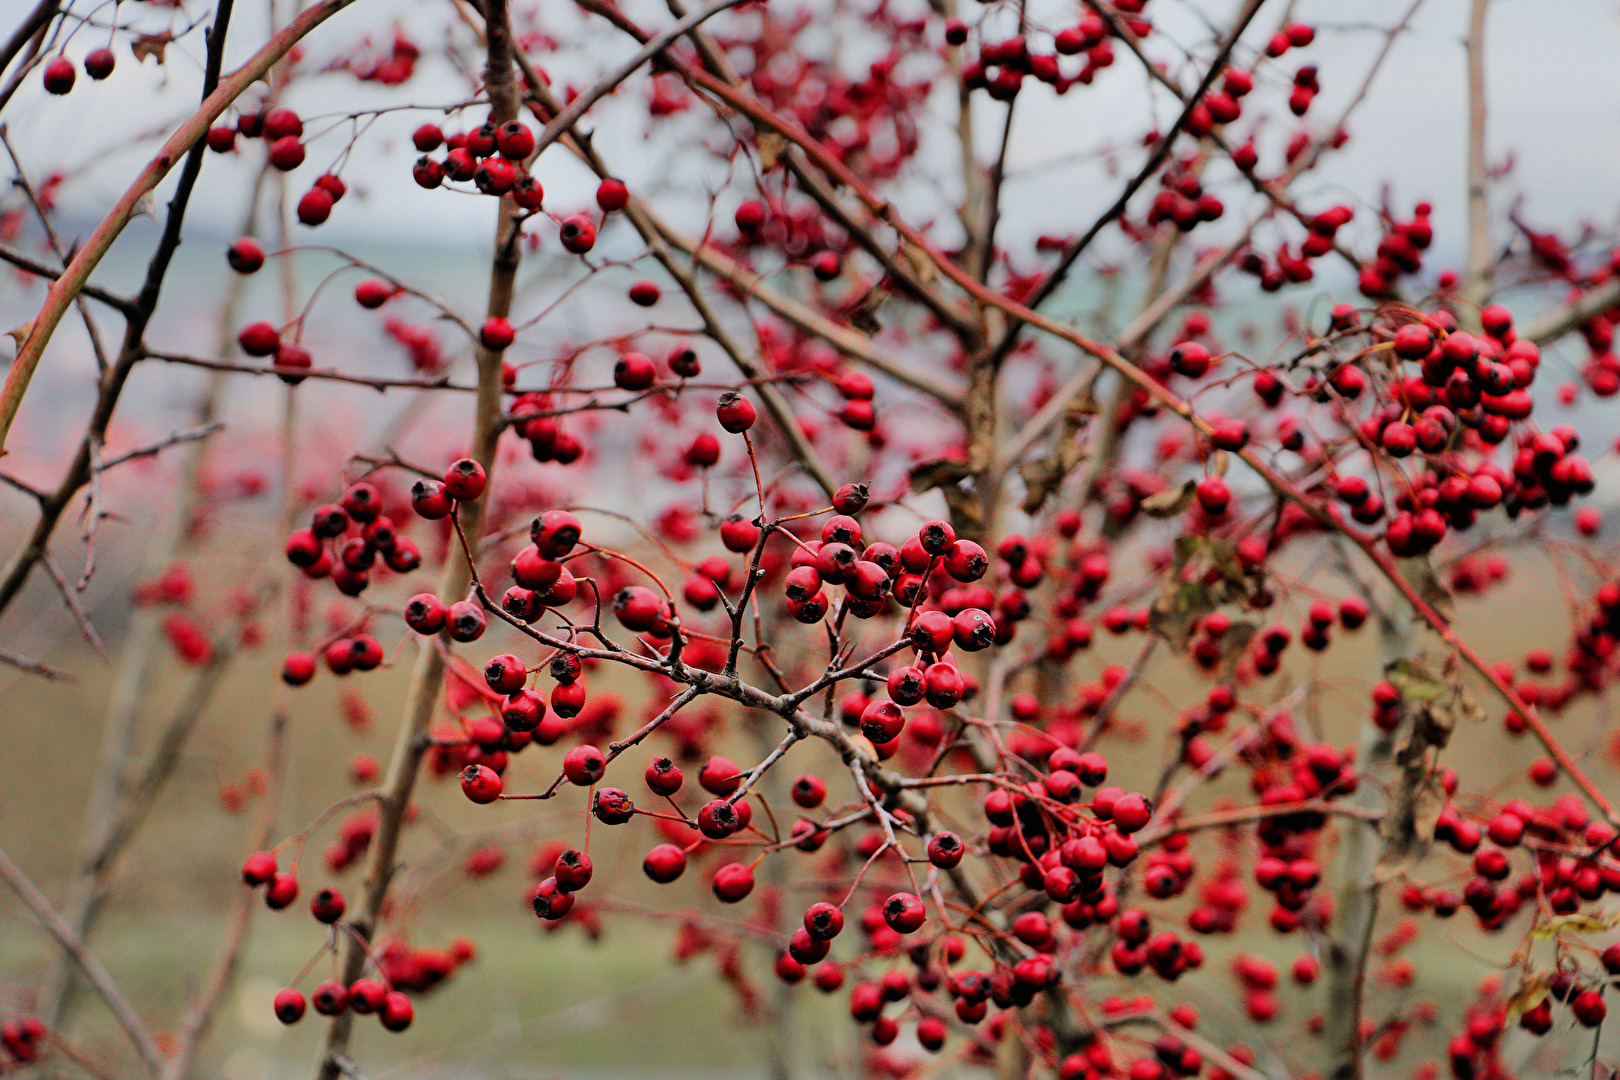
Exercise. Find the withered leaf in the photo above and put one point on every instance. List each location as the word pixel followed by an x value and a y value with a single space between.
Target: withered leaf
pixel 1413 682
pixel 1044 475
pixel 772 145
pixel 921 264
pixel 1419 573
pixel 1408 825
pixel 1169 502
pixel 937 473
pixel 1575 924
pixel 1532 990
pixel 152 45
pixel 1177 610
pixel 863 316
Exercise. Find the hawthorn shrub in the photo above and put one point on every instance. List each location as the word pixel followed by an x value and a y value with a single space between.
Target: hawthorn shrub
pixel 990 673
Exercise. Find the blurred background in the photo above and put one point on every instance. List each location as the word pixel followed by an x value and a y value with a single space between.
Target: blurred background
pixel 564 1001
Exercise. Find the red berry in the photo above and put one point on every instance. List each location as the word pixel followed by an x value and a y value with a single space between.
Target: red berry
pixel 584 765
pixel 732 882
pixel 98 63
pixel 465 480
pixel 735 413
pixel 59 75
pixel 578 234
pixel 904 913
pixel 612 195
pixel 289 1005
pixel 287 153
pixel 480 783
pixel 259 868
pixel 496 333
pixel 664 863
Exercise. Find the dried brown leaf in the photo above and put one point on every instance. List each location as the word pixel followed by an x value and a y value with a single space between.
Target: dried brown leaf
pixel 152 45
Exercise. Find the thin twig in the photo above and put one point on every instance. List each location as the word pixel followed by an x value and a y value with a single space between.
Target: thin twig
pixel 92 967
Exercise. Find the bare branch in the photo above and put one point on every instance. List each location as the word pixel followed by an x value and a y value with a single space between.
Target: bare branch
pixel 92 967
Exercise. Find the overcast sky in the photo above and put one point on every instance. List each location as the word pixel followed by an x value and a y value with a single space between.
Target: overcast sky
pixel 1553 93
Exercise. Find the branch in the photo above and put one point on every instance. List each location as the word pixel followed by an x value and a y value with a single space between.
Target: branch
pixel 1476 288
pixel 94 292
pixel 189 135
pixel 81 617
pixel 652 234
pixel 427 676
pixel 153 449
pixel 43 13
pixel 93 970
pixel 850 343
pixel 1161 151
pixel 1575 314
pixel 200 1013
pixel 34 667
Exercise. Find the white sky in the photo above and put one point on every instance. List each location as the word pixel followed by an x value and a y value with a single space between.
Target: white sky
pixel 1554 107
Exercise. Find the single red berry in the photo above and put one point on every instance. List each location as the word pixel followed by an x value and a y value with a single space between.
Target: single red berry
pixel 555 533
pixel 945 850
pixel 634 371
pixel 480 783
pixel 750 216
pixel 372 293
pixel 809 791
pixel 281 892
pixel 330 998
pixel 464 480
pixel 259 868
pixel 366 995
pixel 904 913
pixel 315 206
pixel 327 905
pixel 612 806
pixel 612 195
pixel 573 871
pixel 584 765
pixel 427 138
pixel 578 234
pixel 397 1012
pixel 935 537
pixel 733 882
pixel 298 668
pixel 59 75
pixel 735 412
pixel 1589 1008
pixel 430 500
pixel 258 339
pixel 684 362
pixel 824 921
pixel 287 153
pixel 289 1005
pixel 664 863
pixel 496 333
pixel 851 498
pixel 718 819
pixel 427 173
pixel 99 63
pixel 279 123
pixel 663 776
pixel 528 192
pixel 514 140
